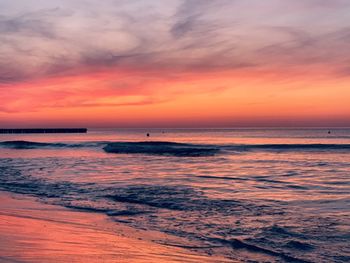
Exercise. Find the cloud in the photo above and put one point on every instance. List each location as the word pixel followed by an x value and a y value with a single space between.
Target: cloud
pixel 189 17
pixel 335 4
pixel 29 24
pixel 196 36
pixel 305 49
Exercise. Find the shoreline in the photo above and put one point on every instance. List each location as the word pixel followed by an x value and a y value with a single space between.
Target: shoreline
pixel 32 231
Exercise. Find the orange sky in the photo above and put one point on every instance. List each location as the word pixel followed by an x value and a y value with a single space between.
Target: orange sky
pixel 189 64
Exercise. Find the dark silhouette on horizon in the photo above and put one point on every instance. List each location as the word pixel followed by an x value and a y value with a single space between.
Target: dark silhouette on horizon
pixel 44 130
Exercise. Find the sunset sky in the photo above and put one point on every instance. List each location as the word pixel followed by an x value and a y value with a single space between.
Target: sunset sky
pixel 174 63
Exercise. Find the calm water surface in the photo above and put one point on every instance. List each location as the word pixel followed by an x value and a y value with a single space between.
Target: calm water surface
pixel 248 194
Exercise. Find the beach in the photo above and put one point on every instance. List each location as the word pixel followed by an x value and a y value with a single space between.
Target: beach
pixel 35 232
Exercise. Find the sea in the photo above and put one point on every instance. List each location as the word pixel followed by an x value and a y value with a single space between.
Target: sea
pixel 249 195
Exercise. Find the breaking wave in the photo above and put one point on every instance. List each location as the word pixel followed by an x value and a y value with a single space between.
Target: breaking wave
pixel 177 149
pixel 161 148
pixel 40 145
pixel 288 147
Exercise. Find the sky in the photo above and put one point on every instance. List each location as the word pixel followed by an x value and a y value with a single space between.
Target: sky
pixel 174 63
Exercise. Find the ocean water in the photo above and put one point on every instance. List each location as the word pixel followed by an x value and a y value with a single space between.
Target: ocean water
pixel 251 195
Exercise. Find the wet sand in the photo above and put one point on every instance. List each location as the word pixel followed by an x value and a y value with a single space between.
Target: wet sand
pixel 35 232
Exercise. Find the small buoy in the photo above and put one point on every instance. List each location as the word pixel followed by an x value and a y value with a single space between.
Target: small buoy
pixel 329 132
pixel 148 134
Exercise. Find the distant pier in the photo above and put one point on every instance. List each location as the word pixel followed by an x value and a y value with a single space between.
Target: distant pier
pixel 41 130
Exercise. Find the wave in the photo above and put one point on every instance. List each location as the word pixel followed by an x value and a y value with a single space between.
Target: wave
pixel 38 145
pixel 176 149
pixel 185 149
pixel 240 244
pixel 287 147
pixel 150 148
pixel 161 148
pixel 29 145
